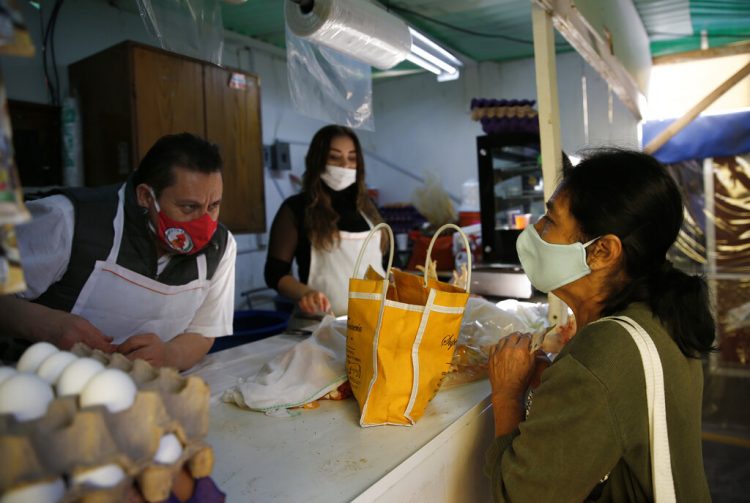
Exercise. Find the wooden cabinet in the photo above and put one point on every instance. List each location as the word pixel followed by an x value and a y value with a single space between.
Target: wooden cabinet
pixel 130 95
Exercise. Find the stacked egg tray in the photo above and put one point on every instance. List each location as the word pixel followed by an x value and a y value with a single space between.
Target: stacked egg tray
pixel 69 439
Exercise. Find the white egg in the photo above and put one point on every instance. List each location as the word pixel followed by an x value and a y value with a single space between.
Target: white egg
pixel 170 449
pixel 53 365
pixel 26 396
pixel 76 375
pixel 5 373
pixel 40 492
pixel 103 476
pixel 112 388
pixel 34 356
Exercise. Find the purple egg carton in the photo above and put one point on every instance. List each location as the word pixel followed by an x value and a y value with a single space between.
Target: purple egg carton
pixel 510 125
pixel 488 102
pixel 402 218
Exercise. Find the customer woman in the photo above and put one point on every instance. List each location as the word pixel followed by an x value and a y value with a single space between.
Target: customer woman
pixel 601 248
pixel 324 226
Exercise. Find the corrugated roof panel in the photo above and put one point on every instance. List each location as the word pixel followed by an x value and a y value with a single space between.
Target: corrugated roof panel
pixel 261 19
pixel 500 20
pixel 721 17
pixel 727 21
pixel 665 16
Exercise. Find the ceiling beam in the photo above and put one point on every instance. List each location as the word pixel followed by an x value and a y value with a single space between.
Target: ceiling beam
pixel 714 52
pixel 595 50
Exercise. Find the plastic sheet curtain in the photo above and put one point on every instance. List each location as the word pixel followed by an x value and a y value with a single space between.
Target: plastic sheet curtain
pixel 710 159
pixel 722 212
pixel 731 220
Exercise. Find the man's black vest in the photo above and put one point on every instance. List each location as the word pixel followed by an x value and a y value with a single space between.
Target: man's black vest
pixel 95 210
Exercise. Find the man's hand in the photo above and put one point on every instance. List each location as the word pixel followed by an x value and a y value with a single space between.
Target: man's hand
pixel 314 302
pixel 147 347
pixel 65 329
pixel 181 352
pixel 35 322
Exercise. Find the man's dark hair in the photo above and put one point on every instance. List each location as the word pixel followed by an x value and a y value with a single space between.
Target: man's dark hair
pixel 184 150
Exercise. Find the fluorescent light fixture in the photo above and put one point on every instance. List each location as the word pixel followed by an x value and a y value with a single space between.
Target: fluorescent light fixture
pixel 432 57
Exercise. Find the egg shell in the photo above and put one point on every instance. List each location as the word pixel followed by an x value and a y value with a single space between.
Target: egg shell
pixel 6 373
pixel 112 388
pixel 26 396
pixel 40 492
pixel 102 476
pixel 53 365
pixel 169 451
pixel 34 356
pixel 76 375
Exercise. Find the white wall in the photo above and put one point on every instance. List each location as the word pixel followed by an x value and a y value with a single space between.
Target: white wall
pixel 421 125
pixel 425 127
pixel 697 79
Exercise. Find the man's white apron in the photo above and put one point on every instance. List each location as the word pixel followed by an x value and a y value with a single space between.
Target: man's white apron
pixel 122 303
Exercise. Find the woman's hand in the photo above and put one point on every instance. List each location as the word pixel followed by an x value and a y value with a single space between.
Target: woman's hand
pixel 511 369
pixel 314 302
pixel 511 366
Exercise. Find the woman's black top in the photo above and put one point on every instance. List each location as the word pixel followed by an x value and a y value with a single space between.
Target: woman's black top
pixel 289 239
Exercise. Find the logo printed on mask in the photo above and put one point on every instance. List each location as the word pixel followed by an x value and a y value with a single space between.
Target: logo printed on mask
pixel 179 240
pixel 550 266
pixel 338 178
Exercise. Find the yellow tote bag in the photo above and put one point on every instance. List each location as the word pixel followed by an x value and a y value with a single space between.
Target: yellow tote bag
pixel 400 340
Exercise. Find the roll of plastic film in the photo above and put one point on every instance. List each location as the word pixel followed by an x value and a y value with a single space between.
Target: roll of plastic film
pixel 357 28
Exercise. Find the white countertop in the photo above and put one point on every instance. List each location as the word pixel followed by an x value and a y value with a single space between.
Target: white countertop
pixel 324 455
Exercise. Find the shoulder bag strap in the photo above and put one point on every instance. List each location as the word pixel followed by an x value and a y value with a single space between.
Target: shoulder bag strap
pixel 661 466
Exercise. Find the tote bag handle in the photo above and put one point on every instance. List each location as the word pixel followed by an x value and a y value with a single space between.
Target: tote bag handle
pixel 466 245
pixel 378 227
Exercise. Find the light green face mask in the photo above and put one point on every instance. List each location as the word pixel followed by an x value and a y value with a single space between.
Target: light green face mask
pixel 550 266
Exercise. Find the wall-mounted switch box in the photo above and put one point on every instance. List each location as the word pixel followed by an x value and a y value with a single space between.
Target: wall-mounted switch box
pixel 276 156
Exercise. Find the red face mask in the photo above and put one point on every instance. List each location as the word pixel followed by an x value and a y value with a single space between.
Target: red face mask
pixel 184 237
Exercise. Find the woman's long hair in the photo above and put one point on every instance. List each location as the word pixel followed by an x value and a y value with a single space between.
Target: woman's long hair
pixel 631 195
pixel 321 221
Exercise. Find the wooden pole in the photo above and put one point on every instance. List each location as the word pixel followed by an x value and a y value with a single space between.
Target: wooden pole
pixel 549 122
pixel 683 121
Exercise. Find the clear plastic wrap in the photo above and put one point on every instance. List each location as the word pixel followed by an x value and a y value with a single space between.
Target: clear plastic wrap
pixel 191 27
pixel 485 323
pixel 357 28
pixel 328 85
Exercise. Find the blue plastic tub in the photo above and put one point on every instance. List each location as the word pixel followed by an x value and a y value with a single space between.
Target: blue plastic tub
pixel 252 325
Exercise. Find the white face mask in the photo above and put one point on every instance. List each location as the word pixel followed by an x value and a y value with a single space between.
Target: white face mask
pixel 338 178
pixel 550 266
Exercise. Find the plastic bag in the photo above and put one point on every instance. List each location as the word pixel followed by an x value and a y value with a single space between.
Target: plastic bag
pixel 328 85
pixel 190 27
pixel 484 324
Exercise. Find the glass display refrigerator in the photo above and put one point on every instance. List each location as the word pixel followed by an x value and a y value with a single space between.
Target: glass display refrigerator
pixel 511 197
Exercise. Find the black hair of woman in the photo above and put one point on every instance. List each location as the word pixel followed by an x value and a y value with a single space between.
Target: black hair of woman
pixel 631 195
pixel 320 219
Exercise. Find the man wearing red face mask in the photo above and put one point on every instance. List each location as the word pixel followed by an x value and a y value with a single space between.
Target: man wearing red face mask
pixel 143 268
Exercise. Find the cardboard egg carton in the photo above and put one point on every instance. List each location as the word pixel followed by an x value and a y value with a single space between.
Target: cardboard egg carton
pixel 68 440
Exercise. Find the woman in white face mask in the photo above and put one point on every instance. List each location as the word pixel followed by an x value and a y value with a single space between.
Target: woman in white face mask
pixel 324 226
pixel 599 427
